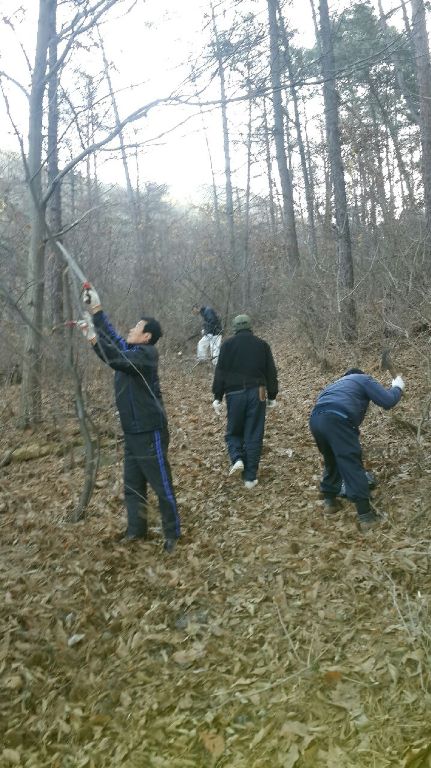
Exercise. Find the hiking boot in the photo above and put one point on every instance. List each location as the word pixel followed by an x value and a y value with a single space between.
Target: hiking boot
pixel 237 466
pixel 368 521
pixel 249 484
pixel 331 505
pixel 169 545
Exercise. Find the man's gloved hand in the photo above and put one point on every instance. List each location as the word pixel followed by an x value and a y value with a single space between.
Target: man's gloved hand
pixel 217 407
pixel 271 403
pixel 91 297
pixel 398 382
pixel 87 328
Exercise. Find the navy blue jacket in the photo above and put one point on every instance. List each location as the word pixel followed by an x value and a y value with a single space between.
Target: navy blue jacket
pixel 137 387
pixel 212 322
pixel 245 361
pixel 350 396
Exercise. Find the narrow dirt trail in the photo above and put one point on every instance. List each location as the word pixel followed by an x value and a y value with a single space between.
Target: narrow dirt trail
pixel 273 637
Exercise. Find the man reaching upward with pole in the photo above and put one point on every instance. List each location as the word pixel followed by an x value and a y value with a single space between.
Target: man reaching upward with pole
pixel 142 415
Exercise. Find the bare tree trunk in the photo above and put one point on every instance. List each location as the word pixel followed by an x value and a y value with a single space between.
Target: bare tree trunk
pixel 31 400
pixel 305 174
pixel 344 244
pixel 423 68
pixel 246 269
pixel 279 134
pixel 226 142
pixel 54 208
pixel 269 170
pixel 393 134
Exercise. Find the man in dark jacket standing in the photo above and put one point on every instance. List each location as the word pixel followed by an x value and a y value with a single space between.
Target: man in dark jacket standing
pixel 245 372
pixel 334 423
pixel 209 344
pixel 142 416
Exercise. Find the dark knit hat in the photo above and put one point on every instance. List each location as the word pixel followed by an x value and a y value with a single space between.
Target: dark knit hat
pixel 241 323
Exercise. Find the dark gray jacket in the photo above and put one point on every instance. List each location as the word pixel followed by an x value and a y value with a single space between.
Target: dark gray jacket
pixel 137 387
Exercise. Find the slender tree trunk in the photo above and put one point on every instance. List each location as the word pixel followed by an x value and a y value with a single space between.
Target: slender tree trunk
pixel 305 174
pixel 31 399
pixel 279 135
pixel 394 136
pixel 268 162
pixel 54 207
pixel 246 267
pixel 226 141
pixel 390 177
pixel 423 68
pixel 344 244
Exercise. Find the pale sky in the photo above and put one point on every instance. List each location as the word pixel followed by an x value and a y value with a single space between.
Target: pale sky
pixel 152 48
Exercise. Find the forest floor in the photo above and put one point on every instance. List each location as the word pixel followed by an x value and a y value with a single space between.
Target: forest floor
pixel 273 637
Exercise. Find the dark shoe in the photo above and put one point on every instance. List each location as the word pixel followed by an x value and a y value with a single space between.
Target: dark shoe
pixel 368 521
pixel 126 538
pixel 331 505
pixel 169 545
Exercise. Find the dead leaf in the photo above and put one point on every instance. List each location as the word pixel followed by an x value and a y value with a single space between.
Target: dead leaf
pixel 11 757
pixel 186 658
pixel 213 743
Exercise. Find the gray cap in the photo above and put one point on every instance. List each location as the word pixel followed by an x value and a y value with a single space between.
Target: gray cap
pixel 241 323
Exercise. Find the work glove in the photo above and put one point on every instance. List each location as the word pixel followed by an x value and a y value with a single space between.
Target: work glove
pixel 271 403
pixel 398 382
pixel 91 297
pixel 217 407
pixel 86 327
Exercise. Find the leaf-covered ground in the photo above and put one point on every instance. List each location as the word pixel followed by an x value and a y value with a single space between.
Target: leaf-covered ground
pixel 272 638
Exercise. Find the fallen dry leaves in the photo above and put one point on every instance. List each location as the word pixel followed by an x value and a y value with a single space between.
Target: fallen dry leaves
pixel 272 638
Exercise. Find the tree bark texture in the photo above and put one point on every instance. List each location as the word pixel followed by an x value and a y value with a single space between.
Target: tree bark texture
pixel 226 141
pixel 54 207
pixel 279 139
pixel 31 400
pixel 305 171
pixel 343 239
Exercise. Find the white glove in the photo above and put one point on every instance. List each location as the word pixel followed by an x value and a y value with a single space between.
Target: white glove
pixel 91 297
pixel 217 407
pixel 398 382
pixel 86 327
pixel 271 403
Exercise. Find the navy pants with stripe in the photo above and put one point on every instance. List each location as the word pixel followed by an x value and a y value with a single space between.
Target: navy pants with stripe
pixel 146 462
pixel 245 428
pixel 338 441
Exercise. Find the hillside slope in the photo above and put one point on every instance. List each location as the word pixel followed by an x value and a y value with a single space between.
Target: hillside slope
pixel 272 637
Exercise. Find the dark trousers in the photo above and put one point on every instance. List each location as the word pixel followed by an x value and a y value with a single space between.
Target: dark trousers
pixel 338 441
pixel 245 428
pixel 146 461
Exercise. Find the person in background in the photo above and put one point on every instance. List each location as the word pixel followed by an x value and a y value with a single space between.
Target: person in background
pixel 334 423
pixel 245 373
pixel 209 345
pixel 142 415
